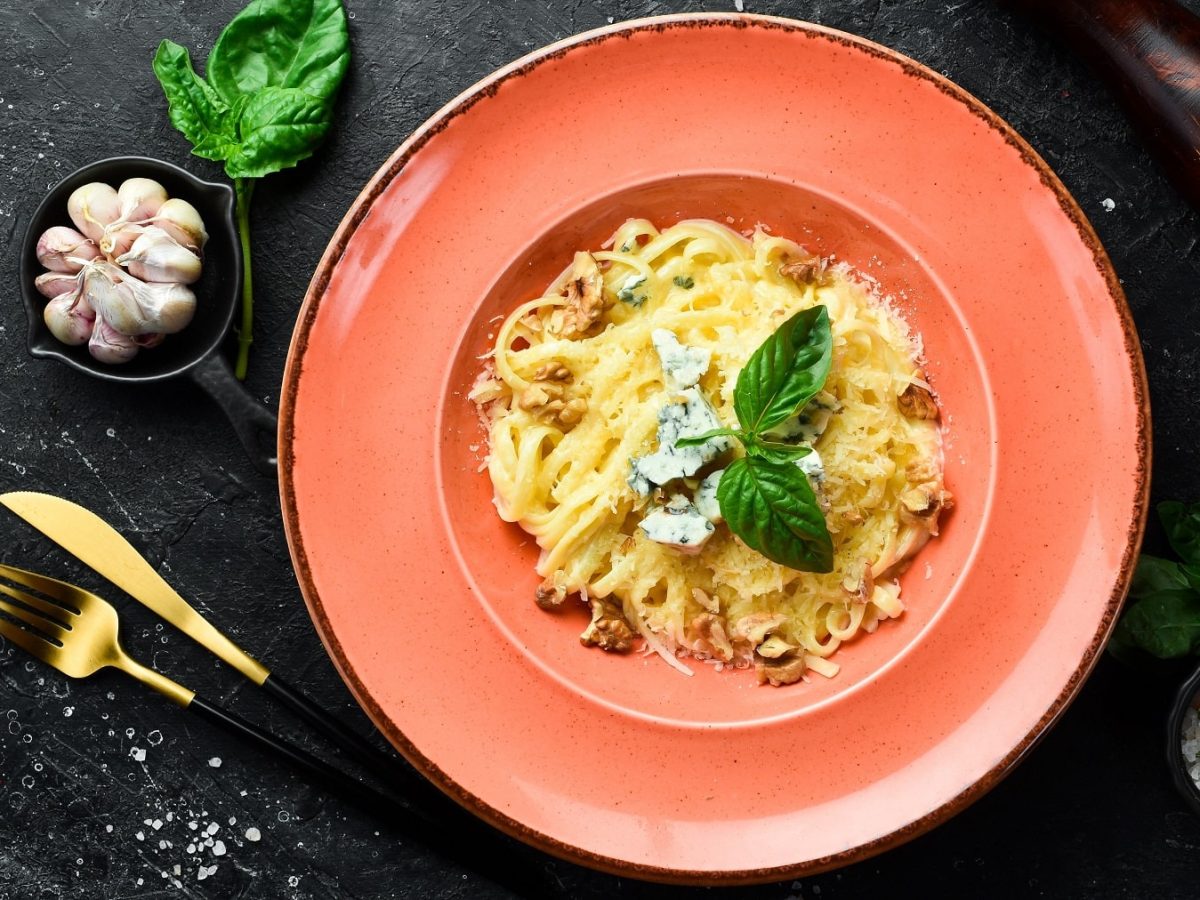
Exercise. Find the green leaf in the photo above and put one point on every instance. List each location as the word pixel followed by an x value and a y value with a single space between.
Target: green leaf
pixel 300 44
pixel 1182 524
pixel 785 372
pixel 1154 574
pixel 771 507
pixel 278 128
pixel 1165 624
pixel 776 451
pixel 194 107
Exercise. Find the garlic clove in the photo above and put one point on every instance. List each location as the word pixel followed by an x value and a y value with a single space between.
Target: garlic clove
pixel 63 249
pixel 70 321
pixel 118 238
pixel 93 206
pixel 110 346
pixel 156 256
pixel 54 284
pixel 180 220
pixel 140 199
pixel 166 308
pixel 112 300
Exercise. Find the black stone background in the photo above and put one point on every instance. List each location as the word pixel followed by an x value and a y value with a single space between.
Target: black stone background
pixel 1090 814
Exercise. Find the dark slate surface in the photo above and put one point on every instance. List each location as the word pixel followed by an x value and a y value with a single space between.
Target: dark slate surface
pixel 1090 814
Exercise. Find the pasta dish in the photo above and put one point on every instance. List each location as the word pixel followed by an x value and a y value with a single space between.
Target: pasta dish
pixel 612 410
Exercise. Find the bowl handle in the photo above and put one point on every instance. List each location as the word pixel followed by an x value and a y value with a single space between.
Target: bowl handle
pixel 256 426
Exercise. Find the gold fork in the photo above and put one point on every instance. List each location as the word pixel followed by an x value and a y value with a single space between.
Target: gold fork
pixel 78 634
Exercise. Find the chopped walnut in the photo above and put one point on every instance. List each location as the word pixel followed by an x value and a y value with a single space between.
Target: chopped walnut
pixel 922 504
pixel 860 585
pixel 778 672
pixel 921 471
pixel 853 517
pixel 916 402
pixel 710 637
pixel 756 626
pixel 550 593
pixel 584 291
pixel 546 397
pixel 552 371
pixel 608 629
pixel 805 269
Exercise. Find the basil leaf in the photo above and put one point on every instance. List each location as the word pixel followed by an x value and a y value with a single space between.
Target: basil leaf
pixel 785 372
pixel 1156 574
pixel 1182 523
pixel 301 44
pixel 776 452
pixel 194 107
pixel 1165 624
pixel 771 507
pixel 278 128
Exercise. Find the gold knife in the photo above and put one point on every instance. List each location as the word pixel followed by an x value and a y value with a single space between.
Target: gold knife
pixel 98 545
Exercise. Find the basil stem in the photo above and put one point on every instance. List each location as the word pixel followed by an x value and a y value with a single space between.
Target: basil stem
pixel 244 189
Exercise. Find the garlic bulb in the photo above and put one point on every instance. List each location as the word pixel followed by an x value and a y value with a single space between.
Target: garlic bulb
pixel 63 249
pixel 134 307
pixel 69 318
pixel 54 284
pixel 110 346
pixel 93 206
pixel 118 280
pixel 179 219
pixel 156 256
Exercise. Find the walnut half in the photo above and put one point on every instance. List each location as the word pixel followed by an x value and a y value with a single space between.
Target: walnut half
pixel 608 629
pixel 777 672
pixel 584 292
pixel 546 397
pixel 917 403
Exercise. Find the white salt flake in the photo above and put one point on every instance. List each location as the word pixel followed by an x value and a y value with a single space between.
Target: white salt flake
pixel 205 871
pixel 138 754
pixel 1109 204
pixel 253 834
pixel 215 762
pixel 141 835
pixel 219 848
pixel 213 828
pixel 108 828
pixel 739 5
pixel 156 824
pixel 68 711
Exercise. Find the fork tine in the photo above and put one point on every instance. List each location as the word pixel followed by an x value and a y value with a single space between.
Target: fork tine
pixel 43 623
pixel 50 610
pixel 66 594
pixel 32 643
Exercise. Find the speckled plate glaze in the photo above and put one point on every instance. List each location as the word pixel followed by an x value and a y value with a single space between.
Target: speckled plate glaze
pixel 424 598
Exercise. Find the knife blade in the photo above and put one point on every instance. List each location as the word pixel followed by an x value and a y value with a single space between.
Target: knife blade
pixel 98 545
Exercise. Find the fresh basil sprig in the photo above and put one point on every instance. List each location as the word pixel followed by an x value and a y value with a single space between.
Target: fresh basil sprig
pixel 764 497
pixel 1163 617
pixel 265 104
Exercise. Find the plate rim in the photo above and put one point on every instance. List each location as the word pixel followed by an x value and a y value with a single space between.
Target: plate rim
pixel 361 207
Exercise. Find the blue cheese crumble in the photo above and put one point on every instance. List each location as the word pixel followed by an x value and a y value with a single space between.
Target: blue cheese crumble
pixel 678 525
pixel 685 414
pixel 682 366
pixel 633 291
pixel 706 497
pixel 808 424
pixel 811 466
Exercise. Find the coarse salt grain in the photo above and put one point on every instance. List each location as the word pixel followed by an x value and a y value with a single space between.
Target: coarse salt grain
pixel 215 762
pixel 253 834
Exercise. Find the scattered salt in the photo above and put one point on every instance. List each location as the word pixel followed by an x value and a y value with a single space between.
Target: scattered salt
pixel 68 711
pixel 156 824
pixel 739 5
pixel 138 754
pixel 141 835
pixel 219 848
pixel 1108 204
pixel 108 828
pixel 215 762
pixel 203 872
pixel 253 834
pixel 213 828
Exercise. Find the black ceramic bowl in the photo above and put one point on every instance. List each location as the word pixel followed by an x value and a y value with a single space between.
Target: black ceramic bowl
pixel 194 352
pixel 1179 773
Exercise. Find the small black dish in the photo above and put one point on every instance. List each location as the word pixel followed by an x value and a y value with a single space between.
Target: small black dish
pixel 1179 773
pixel 195 352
